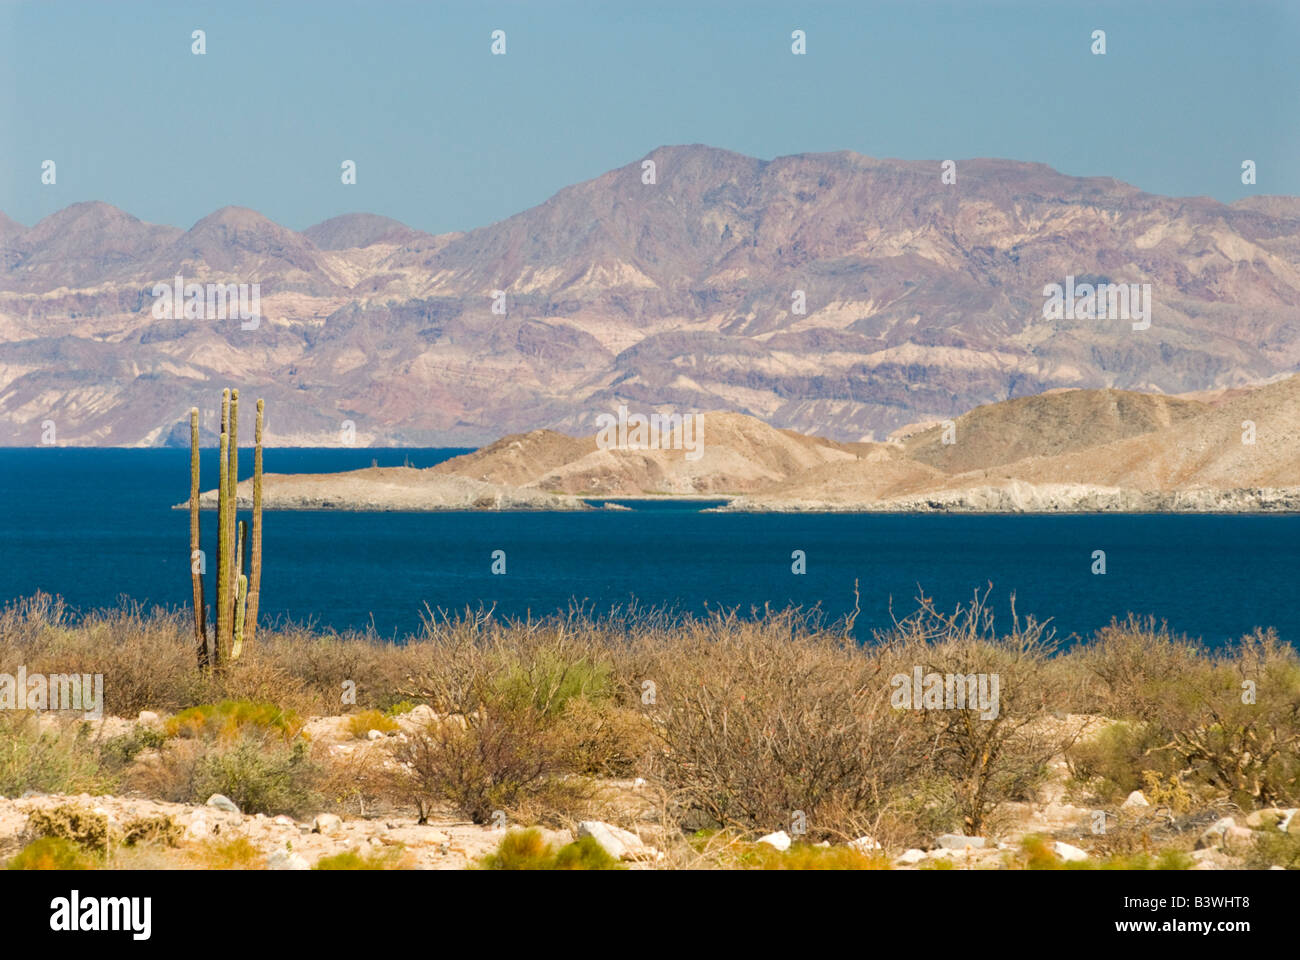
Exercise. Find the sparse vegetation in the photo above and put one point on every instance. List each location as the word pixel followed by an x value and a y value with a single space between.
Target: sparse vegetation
pixel 729 722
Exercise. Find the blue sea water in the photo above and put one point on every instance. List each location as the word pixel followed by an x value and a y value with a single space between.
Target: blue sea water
pixel 97 525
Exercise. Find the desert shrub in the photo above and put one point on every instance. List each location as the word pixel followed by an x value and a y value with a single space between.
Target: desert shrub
pixel 353 860
pixel 1228 721
pixel 585 854
pixel 400 707
pixel 1036 854
pixel 994 756
pixel 258 776
pixel 259 773
pixel 232 718
pixel 601 738
pixel 803 856
pixel 360 724
pixel 60 760
pixel 52 853
pixel 478 763
pixel 72 823
pixel 1274 848
pixel 550 681
pixel 1114 761
pixel 237 853
pixel 141 650
pixel 528 850
pixel 158 829
pixel 519 850
pixel 118 752
pixel 757 720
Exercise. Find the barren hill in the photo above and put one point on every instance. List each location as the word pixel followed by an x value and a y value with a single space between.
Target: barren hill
pixel 1064 451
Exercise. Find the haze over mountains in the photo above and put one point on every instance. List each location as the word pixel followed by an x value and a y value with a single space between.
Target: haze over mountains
pixel 924 300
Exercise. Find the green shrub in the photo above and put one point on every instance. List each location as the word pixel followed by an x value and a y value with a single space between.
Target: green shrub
pixel 400 707
pixel 803 856
pixel 548 682
pixel 353 860
pixel 1036 854
pixel 259 776
pixel 118 752
pixel 230 719
pixel 54 761
pixel 528 850
pixel 52 853
pixel 360 724
pixel 1274 848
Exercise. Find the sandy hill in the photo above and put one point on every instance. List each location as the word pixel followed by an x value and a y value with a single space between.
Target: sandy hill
pixel 1206 450
pixel 1073 450
pixel 1052 424
pixel 737 454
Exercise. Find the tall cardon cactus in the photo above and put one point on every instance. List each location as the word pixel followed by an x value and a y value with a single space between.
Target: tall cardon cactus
pixel 238 544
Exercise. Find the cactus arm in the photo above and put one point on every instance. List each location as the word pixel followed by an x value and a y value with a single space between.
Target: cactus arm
pixel 200 618
pixel 255 555
pixel 232 585
pixel 223 534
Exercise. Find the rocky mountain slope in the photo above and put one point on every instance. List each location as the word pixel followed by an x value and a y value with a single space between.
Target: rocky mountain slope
pixel 923 300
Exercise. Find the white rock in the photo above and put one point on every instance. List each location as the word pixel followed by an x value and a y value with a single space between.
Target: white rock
pixel 1213 835
pixel 780 840
pixel 197 829
pixel 284 860
pixel 148 718
pixel 374 735
pixel 958 841
pixel 222 803
pixel 1068 853
pixel 326 823
pixel 618 843
pixel 1134 801
pixel 284 821
pixel 863 844
pixel 912 856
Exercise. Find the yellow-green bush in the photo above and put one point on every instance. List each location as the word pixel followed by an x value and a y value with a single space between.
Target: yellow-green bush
pixel 52 853
pixel 230 719
pixel 528 850
pixel 360 724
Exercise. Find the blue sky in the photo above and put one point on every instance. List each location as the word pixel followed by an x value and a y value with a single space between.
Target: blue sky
pixel 448 137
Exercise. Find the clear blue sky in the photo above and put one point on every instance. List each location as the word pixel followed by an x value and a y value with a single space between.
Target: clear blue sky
pixel 448 137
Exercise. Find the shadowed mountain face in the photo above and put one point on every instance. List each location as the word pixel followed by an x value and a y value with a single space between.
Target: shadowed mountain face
pixel 923 300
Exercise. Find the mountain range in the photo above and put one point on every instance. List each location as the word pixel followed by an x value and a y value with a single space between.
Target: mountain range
pixel 923 300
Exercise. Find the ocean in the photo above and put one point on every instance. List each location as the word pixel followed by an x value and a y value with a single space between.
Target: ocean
pixel 97 525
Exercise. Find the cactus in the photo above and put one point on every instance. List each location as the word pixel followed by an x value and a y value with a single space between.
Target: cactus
pixel 236 593
pixel 241 593
pixel 196 572
pixel 255 556
pixel 223 535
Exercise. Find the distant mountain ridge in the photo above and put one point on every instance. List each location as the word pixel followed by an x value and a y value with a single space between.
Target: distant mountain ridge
pixel 923 300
